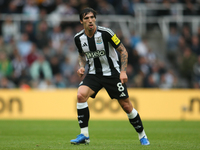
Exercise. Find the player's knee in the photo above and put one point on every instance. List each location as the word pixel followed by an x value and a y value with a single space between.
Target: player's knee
pixel 81 98
pixel 127 107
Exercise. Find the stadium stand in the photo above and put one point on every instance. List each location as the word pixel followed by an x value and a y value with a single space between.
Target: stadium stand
pixel 162 38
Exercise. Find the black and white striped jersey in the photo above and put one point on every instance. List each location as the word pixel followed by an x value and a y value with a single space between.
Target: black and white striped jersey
pixel 99 51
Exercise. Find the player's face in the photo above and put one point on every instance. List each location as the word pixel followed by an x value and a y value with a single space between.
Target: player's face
pixel 89 22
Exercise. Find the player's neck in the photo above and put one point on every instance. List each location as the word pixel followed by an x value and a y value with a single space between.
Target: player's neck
pixel 90 33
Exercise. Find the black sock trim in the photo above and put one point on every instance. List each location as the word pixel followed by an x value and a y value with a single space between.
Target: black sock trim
pixel 83 117
pixel 137 123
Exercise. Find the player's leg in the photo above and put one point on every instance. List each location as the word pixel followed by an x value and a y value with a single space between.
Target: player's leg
pixel 134 119
pixel 117 90
pixel 84 92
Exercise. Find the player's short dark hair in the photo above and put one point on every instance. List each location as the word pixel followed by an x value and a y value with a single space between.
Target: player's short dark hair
pixel 85 11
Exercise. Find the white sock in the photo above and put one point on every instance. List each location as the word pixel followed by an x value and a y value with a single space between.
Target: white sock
pixel 133 114
pixel 85 132
pixel 81 105
pixel 142 134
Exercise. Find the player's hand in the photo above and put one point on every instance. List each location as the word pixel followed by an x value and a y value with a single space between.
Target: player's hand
pixel 81 71
pixel 123 77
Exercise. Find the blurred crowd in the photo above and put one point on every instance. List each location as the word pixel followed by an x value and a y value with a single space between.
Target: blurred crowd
pixel 41 54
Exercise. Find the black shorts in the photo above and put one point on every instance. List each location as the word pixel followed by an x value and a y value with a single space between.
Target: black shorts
pixel 112 84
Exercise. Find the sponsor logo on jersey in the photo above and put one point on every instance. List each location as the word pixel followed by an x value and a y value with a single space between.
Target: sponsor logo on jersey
pixel 115 39
pixel 95 54
pixel 84 44
pixel 98 40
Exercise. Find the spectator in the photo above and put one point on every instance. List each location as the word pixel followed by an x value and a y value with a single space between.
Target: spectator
pixel 73 56
pixel 30 31
pixel 48 52
pixel 46 84
pixel 151 57
pixel 5 83
pixel 182 44
pixel 142 48
pixel 41 69
pixel 48 5
pixel 76 4
pixel 42 15
pixel 32 56
pixel 67 68
pixel 18 65
pixel 150 82
pixel 55 65
pixel 125 7
pixel 195 46
pixel 12 8
pixel 105 8
pixel 172 46
pixel 161 67
pixel 83 4
pixel 5 65
pixel 130 74
pixel 24 79
pixel 190 9
pixel 144 66
pixel 198 33
pixel 60 82
pixel 24 85
pixel 65 8
pixel 186 34
pixel 6 47
pixel 186 65
pixel 127 43
pixel 62 9
pixel 31 10
pixel 10 30
pixel 68 36
pixel 196 71
pixel 133 60
pixel 135 39
pixel 168 80
pixel 57 38
pixel 138 79
pixel 24 45
pixel 155 75
pixel 42 35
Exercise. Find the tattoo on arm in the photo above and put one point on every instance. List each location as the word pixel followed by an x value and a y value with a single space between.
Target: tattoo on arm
pixel 81 61
pixel 124 56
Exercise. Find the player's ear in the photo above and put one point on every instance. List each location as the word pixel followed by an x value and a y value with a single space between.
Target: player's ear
pixel 81 22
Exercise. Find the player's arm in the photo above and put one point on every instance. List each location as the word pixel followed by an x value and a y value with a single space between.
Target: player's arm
pixel 82 63
pixel 124 59
pixel 81 57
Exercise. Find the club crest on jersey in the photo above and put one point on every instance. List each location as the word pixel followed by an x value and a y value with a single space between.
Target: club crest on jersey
pixel 98 40
pixel 95 54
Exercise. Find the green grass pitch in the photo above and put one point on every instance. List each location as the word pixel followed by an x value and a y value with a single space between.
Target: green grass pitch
pixel 104 135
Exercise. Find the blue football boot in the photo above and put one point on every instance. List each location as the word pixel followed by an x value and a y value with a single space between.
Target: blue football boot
pixel 81 139
pixel 144 141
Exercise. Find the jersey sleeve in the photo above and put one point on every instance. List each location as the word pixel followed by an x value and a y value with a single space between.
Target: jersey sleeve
pixel 112 38
pixel 78 45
